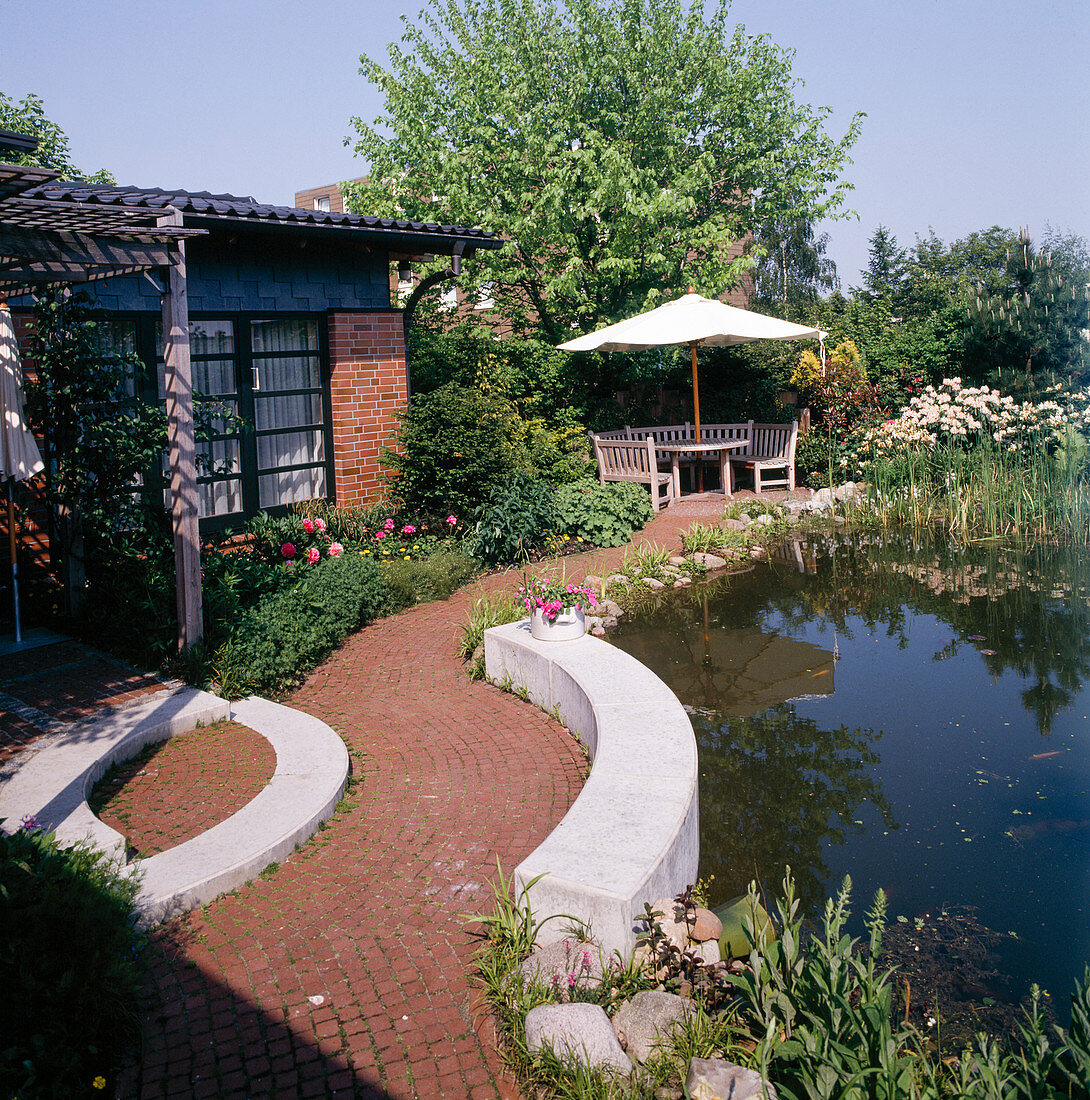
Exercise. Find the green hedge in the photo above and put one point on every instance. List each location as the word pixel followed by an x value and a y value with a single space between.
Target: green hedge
pixel 69 973
pixel 275 645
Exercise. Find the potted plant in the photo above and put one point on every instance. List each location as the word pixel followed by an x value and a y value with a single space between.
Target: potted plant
pixel 557 607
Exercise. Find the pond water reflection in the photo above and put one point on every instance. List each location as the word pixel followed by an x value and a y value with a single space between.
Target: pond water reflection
pixel 911 714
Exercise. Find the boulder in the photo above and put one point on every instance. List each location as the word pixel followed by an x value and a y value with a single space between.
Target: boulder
pixel 578 1033
pixel 682 582
pixel 709 561
pixel 593 582
pixel 822 497
pixel 648 1021
pixel 745 519
pixel 716 1079
pixel 765 520
pixel 564 966
pixel 706 926
pixel 732 940
pixel 733 525
pixel 653 583
pixel 677 559
pixel 611 608
pixel 707 952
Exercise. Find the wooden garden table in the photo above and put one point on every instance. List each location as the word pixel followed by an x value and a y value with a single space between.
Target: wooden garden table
pixel 676 448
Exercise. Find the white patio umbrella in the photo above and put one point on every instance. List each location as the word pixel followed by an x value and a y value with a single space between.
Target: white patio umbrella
pixel 19 455
pixel 692 319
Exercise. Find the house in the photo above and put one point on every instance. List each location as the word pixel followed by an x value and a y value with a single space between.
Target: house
pixel 291 322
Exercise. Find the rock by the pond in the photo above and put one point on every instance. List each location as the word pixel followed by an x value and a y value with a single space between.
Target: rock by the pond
pixel 822 497
pixel 765 520
pixel 671 918
pixel 709 561
pixel 611 608
pixel 707 952
pixel 648 1020
pixel 598 630
pixel 565 965
pixel 706 926
pixel 616 578
pixel 677 559
pixel 745 519
pixel 653 583
pixel 716 1079
pixel 732 941
pixel 682 582
pixel 591 581
pixel 733 525
pixel 577 1033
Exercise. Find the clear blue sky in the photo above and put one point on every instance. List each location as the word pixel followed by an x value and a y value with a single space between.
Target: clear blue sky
pixel 977 111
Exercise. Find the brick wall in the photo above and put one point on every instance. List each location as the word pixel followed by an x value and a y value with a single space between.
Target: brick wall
pixel 367 366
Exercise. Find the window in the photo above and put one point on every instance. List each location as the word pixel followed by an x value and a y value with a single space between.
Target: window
pixel 448 297
pixel 271 374
pixel 485 299
pixel 289 421
pixel 215 376
pixel 322 203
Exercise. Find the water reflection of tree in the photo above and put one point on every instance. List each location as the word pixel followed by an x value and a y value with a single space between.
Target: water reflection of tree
pixel 1031 607
pixel 776 789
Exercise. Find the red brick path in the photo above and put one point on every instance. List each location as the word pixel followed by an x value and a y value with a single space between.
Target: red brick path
pixel 346 971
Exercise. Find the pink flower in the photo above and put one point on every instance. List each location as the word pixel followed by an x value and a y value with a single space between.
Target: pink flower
pixel 288 550
pixel 308 526
pixel 335 549
pixel 408 529
pixel 380 534
pixel 452 520
pixel 313 555
pixel 389 524
pixel 319 524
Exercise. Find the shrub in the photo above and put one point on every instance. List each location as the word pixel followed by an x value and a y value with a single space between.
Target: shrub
pixel 68 966
pixel 274 645
pixel 606 515
pixel 434 577
pixel 517 518
pixel 455 445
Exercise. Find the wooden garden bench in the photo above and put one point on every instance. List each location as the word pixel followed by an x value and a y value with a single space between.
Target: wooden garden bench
pixel 632 460
pixel 771 448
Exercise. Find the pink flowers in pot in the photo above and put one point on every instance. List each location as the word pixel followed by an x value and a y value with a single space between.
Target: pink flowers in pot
pixel 550 597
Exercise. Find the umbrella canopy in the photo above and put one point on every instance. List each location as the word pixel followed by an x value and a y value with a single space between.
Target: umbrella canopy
pixel 19 455
pixel 692 319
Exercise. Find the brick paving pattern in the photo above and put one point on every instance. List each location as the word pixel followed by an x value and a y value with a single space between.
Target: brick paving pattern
pixel 180 788
pixel 346 971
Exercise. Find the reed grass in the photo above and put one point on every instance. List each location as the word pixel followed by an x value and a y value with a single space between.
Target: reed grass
pixel 984 493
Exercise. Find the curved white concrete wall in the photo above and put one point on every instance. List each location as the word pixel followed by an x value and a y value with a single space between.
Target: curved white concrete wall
pixel 55 778
pixel 632 835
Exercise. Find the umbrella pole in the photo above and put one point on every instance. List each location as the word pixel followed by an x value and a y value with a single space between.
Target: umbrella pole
pixel 14 564
pixel 696 418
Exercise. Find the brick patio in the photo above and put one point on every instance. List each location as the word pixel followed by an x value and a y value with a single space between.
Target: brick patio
pixel 346 970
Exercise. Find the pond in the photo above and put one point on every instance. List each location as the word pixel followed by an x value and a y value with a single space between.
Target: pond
pixel 913 715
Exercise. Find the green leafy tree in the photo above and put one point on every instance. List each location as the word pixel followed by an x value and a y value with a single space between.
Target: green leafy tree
pixel 793 268
pixel 619 145
pixel 27 116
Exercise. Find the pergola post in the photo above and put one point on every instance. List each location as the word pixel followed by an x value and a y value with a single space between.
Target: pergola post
pixel 181 445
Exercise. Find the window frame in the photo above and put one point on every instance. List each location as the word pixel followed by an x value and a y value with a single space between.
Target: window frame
pixel 147 389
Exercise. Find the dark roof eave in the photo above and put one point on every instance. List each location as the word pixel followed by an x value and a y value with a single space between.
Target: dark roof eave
pixel 394 238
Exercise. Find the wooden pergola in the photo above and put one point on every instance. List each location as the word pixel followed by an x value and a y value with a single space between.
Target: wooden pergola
pixel 48 241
